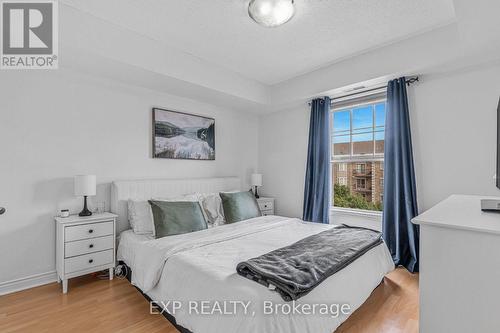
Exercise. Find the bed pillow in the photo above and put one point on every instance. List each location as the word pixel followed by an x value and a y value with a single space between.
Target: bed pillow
pixel 239 206
pixel 194 197
pixel 176 217
pixel 211 203
pixel 140 217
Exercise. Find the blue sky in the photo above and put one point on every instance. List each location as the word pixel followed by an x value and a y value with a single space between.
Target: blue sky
pixel 362 123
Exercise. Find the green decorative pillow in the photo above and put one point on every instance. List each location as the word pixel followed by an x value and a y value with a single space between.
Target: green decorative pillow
pixel 177 217
pixel 239 206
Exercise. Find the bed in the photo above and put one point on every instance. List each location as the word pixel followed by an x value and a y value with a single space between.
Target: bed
pixel 196 272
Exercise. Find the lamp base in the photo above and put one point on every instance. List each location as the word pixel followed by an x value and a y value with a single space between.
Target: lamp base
pixel 85 211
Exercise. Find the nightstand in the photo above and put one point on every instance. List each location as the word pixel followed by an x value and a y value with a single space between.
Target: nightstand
pixel 266 205
pixel 84 245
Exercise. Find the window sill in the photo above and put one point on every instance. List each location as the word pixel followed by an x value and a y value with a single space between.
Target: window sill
pixel 356 212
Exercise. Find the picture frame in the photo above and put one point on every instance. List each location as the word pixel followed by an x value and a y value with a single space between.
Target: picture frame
pixel 181 135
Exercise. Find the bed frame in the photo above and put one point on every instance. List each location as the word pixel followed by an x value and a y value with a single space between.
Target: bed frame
pixel 122 191
pixel 128 274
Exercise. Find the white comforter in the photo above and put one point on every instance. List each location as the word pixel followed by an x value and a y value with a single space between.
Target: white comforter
pixel 201 266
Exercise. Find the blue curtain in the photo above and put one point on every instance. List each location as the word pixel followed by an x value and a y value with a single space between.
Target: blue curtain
pixel 317 182
pixel 400 195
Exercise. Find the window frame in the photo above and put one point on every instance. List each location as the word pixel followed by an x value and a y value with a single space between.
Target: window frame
pixel 353 158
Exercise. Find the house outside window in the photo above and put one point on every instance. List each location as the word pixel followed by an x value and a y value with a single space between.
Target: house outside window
pixel 357 144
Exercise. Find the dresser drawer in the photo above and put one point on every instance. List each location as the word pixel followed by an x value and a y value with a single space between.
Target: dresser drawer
pixel 86 246
pixel 85 231
pixel 266 205
pixel 87 261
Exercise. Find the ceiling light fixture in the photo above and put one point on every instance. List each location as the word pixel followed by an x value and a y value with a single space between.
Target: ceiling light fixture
pixel 271 13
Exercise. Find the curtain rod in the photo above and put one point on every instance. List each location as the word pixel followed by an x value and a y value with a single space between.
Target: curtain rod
pixel 408 82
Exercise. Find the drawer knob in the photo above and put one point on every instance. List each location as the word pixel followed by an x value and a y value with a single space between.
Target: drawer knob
pixel 91 245
pixel 265 206
pixel 91 231
pixel 91 261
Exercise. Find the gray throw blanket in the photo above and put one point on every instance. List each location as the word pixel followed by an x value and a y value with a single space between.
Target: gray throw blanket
pixel 297 269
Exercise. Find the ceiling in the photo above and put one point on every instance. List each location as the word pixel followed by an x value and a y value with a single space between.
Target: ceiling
pixel 219 32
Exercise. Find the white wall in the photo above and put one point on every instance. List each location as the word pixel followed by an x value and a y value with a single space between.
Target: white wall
pixel 283 139
pixel 454 131
pixel 55 124
pixel 454 124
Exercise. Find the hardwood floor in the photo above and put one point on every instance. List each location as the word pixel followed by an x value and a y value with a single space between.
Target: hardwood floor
pixel 94 305
pixel 391 308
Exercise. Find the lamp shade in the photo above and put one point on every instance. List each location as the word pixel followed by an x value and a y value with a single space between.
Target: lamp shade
pixel 256 179
pixel 85 185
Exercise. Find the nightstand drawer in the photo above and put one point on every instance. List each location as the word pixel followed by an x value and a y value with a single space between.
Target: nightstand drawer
pixel 86 231
pixel 266 205
pixel 267 212
pixel 86 246
pixel 87 261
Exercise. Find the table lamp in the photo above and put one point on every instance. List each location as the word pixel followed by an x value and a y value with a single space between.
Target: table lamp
pixel 85 185
pixel 256 181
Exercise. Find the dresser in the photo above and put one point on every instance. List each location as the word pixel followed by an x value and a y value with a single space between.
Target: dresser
pixel 459 267
pixel 266 205
pixel 84 245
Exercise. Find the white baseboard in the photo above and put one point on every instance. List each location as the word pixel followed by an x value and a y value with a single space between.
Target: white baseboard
pixel 27 282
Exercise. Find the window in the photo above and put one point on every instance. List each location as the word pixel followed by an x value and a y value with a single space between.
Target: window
pixel 357 143
pixel 360 167
pixel 360 184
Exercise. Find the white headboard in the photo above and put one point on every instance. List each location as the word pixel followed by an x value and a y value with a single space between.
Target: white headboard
pixel 123 190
